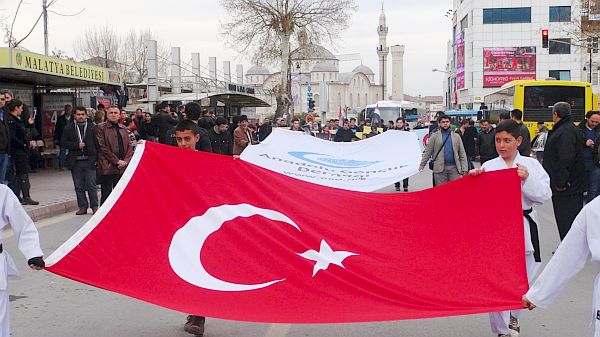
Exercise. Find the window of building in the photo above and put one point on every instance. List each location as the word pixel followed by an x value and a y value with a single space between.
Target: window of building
pixel 464 23
pixel 563 75
pixel 560 13
pixel 506 15
pixel 559 46
pixel 592 43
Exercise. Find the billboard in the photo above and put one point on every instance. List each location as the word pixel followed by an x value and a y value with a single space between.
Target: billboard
pixel 503 65
pixel 460 61
pixel 594 10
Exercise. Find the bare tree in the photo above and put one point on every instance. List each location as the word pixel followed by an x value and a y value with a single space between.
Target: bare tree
pixel 135 55
pixel 100 46
pixel 265 29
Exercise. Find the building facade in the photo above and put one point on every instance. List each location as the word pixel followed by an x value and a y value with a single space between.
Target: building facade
pixel 496 41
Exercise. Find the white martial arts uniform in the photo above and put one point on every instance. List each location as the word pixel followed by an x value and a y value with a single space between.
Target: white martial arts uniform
pixel 12 214
pixel 570 258
pixel 535 190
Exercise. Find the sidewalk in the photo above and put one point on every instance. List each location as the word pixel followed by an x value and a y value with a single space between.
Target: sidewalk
pixel 55 192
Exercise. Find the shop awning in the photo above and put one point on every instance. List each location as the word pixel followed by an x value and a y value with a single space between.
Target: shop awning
pixel 24 67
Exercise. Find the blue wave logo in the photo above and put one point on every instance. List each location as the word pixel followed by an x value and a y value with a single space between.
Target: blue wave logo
pixel 331 161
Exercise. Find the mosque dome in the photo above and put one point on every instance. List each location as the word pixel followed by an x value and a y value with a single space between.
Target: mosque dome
pixel 312 52
pixel 363 69
pixel 258 70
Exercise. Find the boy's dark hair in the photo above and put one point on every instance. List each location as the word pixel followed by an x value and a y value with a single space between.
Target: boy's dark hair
pixel 193 111
pixel 188 125
pixel 485 121
pixel 100 106
pixel 14 104
pixel 295 120
pixel 81 108
pixel 220 121
pixel 400 119
pixel 353 119
pixel 509 126
pixel 517 114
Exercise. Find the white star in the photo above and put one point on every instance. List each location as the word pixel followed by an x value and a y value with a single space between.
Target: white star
pixel 326 256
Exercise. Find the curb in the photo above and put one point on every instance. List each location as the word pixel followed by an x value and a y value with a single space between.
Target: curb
pixel 49 211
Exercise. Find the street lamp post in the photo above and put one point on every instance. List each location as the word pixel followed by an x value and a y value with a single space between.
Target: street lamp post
pixel 450 75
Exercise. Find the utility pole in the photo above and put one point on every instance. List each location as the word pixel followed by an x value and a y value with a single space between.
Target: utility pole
pixel 45 11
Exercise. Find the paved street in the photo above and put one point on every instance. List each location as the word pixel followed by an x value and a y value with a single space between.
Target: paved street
pixel 50 306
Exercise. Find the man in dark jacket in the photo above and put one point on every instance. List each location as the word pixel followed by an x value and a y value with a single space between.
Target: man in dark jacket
pixel 590 131
pixel 19 152
pixel 61 122
pixel 4 141
pixel 220 138
pixel 264 130
pixel 468 135
pixel 344 134
pixel 525 147
pixel 486 142
pixel 164 122
pixel 192 111
pixel 114 151
pixel 79 138
pixel 563 160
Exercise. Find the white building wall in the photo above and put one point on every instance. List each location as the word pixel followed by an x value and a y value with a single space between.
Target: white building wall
pixel 479 36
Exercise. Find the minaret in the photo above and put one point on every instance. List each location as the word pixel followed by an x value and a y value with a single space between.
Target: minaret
pixel 383 52
pixel 397 72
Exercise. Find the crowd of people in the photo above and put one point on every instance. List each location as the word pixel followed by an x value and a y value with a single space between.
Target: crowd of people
pixel 562 165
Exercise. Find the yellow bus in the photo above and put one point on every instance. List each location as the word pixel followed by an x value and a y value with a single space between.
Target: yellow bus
pixel 536 98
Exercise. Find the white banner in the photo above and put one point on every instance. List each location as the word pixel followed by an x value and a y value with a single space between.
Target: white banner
pixel 366 165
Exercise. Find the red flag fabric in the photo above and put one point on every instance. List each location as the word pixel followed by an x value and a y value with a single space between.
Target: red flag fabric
pixel 209 235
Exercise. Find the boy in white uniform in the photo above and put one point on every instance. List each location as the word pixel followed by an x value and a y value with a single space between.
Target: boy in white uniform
pixel 12 214
pixel 535 189
pixel 569 259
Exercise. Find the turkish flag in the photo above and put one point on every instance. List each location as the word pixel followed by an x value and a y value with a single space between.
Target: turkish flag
pixel 209 235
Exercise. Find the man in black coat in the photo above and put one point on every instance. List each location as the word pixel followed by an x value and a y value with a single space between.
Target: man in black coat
pixel 164 122
pixel 79 139
pixel 4 141
pixel 61 122
pixel 344 134
pixel 220 139
pixel 264 130
pixel 486 142
pixel 563 160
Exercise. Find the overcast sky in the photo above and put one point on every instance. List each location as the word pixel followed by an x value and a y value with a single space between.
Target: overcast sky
pixel 194 25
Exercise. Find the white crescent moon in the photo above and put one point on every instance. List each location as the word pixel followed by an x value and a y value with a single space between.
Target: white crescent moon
pixel 187 243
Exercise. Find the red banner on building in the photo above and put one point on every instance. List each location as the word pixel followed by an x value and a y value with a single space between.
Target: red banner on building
pixel 208 235
pixel 503 65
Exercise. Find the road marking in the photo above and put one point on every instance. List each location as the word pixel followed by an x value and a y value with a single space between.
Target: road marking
pixel 45 223
pixel 278 330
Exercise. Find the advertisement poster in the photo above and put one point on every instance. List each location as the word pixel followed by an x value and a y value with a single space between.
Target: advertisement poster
pixel 460 61
pixel 503 65
pixel 53 106
pixel 594 10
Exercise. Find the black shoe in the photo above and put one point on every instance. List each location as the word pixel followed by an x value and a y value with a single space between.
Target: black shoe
pixel 406 189
pixel 397 189
pixel 194 325
pixel 29 201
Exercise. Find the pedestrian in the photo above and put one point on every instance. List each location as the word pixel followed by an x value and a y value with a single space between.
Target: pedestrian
pixel 147 128
pixel 242 136
pixel 344 134
pixel 193 112
pixel 4 141
pixel 486 148
pixel 591 131
pixel 563 160
pixel 447 154
pixel 525 148
pixel 187 135
pixel 19 153
pixel 66 118
pixel 539 141
pixel 14 216
pixel 114 151
pixel 80 140
pixel 570 258
pixel 264 130
pixel 100 114
pixel 468 136
pixel 164 122
pixel 296 125
pixel 220 138
pixel 535 190
pixel 401 126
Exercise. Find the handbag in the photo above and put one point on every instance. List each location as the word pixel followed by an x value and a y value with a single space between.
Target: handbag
pixel 440 150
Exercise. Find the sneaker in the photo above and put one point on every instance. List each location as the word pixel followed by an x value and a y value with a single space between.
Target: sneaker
pixel 514 325
pixel 194 325
pixel 29 201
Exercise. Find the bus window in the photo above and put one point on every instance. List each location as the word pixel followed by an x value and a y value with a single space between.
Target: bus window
pixel 538 100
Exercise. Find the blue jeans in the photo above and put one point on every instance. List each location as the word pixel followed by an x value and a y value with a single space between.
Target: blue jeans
pixel 3 166
pixel 593 182
pixel 84 179
pixel 62 156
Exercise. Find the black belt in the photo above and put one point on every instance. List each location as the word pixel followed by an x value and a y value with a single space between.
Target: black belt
pixel 533 230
